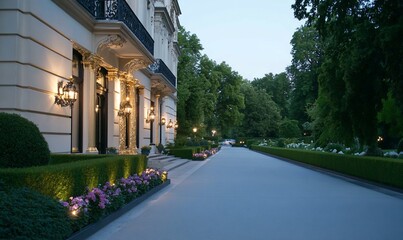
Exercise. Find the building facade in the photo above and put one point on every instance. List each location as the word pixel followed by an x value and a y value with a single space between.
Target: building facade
pixel 91 74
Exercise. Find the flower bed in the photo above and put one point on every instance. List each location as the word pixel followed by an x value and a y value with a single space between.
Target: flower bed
pixel 100 201
pixel 204 154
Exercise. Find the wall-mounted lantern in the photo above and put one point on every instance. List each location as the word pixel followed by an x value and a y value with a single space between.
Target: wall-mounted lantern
pixel 66 95
pixel 125 108
pixel 170 124
pixel 151 115
pixel 163 121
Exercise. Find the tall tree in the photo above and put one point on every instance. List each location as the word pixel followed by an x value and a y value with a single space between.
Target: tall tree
pixel 230 101
pixel 357 66
pixel 278 87
pixel 306 59
pixel 190 102
pixel 209 77
pixel 261 113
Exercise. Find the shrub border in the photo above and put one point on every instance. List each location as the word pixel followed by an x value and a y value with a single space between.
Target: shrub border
pixel 95 227
pixel 70 179
pixel 379 186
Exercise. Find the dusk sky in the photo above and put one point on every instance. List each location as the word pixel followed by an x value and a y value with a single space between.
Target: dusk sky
pixel 253 37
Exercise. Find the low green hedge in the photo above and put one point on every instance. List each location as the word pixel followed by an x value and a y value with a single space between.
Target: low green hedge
pixel 70 179
pixel 186 152
pixel 382 170
pixel 238 145
pixel 68 158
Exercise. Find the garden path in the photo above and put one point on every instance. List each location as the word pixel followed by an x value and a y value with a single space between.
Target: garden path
pixel 241 194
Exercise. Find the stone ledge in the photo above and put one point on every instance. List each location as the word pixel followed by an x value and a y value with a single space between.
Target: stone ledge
pixel 94 227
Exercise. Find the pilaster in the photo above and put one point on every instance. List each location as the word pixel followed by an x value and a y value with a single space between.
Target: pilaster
pixel 91 64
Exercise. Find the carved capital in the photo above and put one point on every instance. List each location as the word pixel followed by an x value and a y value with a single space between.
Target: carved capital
pixel 113 74
pixel 93 61
pixel 141 90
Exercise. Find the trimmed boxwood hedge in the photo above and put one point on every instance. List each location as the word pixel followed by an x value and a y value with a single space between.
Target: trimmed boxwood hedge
pixel 21 143
pixel 186 152
pixel 382 170
pixel 26 214
pixel 70 179
pixel 68 158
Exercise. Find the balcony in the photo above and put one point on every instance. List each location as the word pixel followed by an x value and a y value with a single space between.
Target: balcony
pixel 119 10
pixel 159 67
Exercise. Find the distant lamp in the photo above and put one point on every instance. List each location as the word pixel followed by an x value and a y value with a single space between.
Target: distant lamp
pixel 170 124
pixel 213 132
pixel 163 121
pixel 195 130
pixel 125 108
pixel 66 95
pixel 151 115
pixel 176 125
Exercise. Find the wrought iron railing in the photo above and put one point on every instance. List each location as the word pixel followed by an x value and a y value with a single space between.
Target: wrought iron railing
pixel 119 10
pixel 159 67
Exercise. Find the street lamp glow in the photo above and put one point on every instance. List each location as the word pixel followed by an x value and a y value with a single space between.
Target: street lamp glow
pixel 213 132
pixel 194 129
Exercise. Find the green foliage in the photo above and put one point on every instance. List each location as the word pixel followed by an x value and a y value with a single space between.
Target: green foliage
pixel 391 116
pixel 362 51
pixel 21 143
pixel 69 179
pixel 289 129
pixel 68 158
pixel 25 214
pixel 261 113
pixel 230 102
pixel 307 51
pixel 280 143
pixel 382 170
pixel 278 87
pixel 400 146
pixel 186 152
pixel 160 148
pixel 334 146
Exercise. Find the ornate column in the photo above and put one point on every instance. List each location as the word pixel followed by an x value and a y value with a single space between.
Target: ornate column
pixel 132 120
pixel 157 133
pixel 123 140
pixel 141 116
pixel 163 127
pixel 91 64
pixel 113 105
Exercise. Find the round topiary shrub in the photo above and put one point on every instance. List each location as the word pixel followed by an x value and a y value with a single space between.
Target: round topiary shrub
pixel 21 143
pixel 25 214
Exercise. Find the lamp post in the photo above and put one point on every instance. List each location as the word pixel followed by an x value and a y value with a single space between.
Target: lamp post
pixel 194 132
pixel 213 132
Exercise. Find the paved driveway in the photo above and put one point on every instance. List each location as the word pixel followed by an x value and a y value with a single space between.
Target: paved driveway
pixel 240 194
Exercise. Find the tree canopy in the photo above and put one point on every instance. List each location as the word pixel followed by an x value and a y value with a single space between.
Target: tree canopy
pixel 345 81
